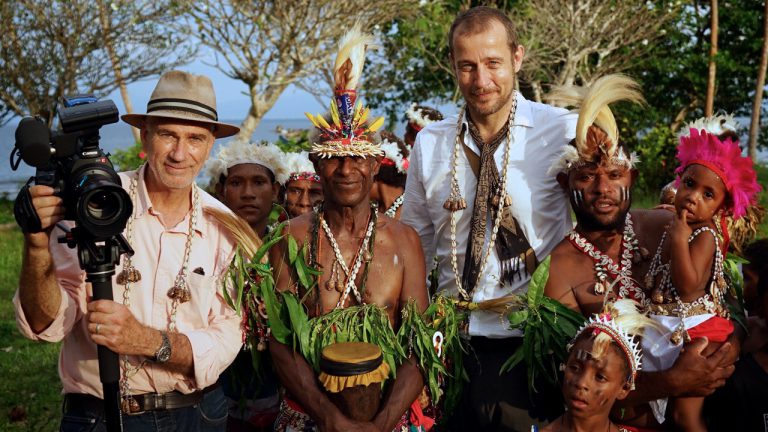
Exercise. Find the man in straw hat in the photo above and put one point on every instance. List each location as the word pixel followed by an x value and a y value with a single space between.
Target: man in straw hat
pixel 502 215
pixel 363 257
pixel 606 255
pixel 169 323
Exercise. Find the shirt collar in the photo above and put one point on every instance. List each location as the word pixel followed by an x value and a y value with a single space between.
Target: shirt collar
pixel 143 203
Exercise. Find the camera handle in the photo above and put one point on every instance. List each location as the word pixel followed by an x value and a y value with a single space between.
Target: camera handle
pixel 98 261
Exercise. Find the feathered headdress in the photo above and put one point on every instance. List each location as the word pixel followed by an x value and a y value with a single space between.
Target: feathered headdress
pixel 718 124
pixel 420 117
pixel 597 136
pixel 240 152
pixel 724 159
pixel 348 134
pixel 620 323
pixel 393 154
pixel 296 166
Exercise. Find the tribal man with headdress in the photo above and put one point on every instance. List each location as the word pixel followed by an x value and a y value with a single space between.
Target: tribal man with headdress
pixel 363 259
pixel 597 173
pixel 419 117
pixel 389 187
pixel 303 190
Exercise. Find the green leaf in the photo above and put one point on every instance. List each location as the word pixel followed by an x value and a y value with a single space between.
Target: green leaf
pixel 537 283
pixel 518 318
pixel 293 249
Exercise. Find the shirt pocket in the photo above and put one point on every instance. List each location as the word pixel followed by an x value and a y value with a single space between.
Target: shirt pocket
pixel 194 314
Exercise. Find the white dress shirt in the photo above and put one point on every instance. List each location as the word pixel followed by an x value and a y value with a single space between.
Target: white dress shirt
pixel 538 203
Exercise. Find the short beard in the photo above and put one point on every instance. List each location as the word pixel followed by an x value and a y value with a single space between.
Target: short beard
pixel 494 108
pixel 588 222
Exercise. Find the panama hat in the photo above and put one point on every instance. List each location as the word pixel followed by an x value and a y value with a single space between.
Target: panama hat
pixel 181 95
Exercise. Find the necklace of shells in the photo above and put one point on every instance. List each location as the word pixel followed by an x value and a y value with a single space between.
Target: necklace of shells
pixel 392 210
pixel 456 201
pixel 606 267
pixel 179 292
pixel 363 255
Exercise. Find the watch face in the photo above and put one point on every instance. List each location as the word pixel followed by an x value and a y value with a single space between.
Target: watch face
pixel 163 354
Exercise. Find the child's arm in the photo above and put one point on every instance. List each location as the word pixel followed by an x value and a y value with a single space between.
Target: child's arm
pixel 690 263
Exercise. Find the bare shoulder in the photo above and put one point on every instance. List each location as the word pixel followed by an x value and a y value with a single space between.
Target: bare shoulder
pixel 652 219
pixel 397 230
pixel 299 227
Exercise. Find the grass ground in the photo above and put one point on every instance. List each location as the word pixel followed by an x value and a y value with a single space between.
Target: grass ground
pixel 30 390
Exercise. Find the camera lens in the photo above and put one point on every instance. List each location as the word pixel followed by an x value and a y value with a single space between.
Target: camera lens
pixel 102 205
pixel 103 208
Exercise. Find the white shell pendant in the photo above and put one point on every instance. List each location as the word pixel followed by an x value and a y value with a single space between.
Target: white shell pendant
pixel 599 288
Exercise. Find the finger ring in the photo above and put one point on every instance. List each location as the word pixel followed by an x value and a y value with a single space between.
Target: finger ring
pixel 97 328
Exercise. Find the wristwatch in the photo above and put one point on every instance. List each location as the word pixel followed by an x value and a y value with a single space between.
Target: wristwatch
pixel 163 354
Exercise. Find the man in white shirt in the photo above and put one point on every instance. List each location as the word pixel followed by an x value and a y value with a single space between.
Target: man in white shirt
pixel 500 161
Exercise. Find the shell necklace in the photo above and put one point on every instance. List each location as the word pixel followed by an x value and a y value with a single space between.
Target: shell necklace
pixel 179 292
pixel 456 201
pixel 362 255
pixel 605 267
pixel 392 210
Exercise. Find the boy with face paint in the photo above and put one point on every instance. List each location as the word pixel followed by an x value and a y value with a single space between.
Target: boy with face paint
pixel 614 243
pixel 602 364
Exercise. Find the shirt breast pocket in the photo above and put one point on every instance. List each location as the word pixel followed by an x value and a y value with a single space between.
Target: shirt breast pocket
pixel 194 314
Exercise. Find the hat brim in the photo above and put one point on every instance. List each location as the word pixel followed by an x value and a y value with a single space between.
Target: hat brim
pixel 222 130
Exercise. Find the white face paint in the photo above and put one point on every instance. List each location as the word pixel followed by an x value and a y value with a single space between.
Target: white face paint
pixel 395 260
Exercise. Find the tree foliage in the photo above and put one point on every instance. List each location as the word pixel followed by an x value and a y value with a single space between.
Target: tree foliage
pixel 53 48
pixel 269 45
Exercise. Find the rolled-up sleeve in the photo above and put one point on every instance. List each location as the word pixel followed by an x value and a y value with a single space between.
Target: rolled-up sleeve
pixel 71 282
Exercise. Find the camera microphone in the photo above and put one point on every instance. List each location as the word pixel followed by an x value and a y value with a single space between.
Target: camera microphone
pixel 33 141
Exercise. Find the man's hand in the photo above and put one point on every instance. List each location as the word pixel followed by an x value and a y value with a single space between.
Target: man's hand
pixel 114 326
pixel 679 230
pixel 50 210
pixel 340 423
pixel 696 374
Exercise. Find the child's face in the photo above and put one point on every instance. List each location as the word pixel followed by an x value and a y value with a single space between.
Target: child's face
pixel 701 192
pixel 592 385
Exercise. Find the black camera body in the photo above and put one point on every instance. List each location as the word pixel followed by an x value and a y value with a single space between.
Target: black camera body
pixel 72 163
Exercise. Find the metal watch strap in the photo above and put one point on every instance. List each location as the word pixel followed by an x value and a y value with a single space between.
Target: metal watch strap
pixel 163 353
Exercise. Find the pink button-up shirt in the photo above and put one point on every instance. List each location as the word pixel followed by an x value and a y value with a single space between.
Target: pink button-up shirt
pixel 213 328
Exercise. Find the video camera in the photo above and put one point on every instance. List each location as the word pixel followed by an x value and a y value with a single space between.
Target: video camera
pixel 72 163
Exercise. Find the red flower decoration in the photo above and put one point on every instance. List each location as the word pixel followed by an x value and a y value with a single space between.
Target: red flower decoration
pixel 142 155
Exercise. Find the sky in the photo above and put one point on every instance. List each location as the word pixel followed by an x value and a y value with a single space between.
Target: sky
pixel 231 95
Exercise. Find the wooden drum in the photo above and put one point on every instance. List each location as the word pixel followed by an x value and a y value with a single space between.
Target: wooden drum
pixel 352 373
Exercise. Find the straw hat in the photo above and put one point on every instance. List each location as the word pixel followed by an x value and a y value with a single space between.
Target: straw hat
pixel 181 95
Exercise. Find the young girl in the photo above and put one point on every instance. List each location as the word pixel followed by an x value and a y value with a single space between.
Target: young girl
pixel 603 359
pixel 686 273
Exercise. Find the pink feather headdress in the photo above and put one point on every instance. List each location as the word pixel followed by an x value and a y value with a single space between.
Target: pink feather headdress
pixel 724 159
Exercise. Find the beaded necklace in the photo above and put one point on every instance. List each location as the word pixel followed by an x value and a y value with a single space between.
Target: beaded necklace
pixel 179 292
pixel 392 210
pixel 606 267
pixel 364 253
pixel 456 201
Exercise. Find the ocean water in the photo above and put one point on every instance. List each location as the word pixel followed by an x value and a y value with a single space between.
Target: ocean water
pixel 113 137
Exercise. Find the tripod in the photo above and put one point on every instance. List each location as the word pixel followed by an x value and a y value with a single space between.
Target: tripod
pixel 98 259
